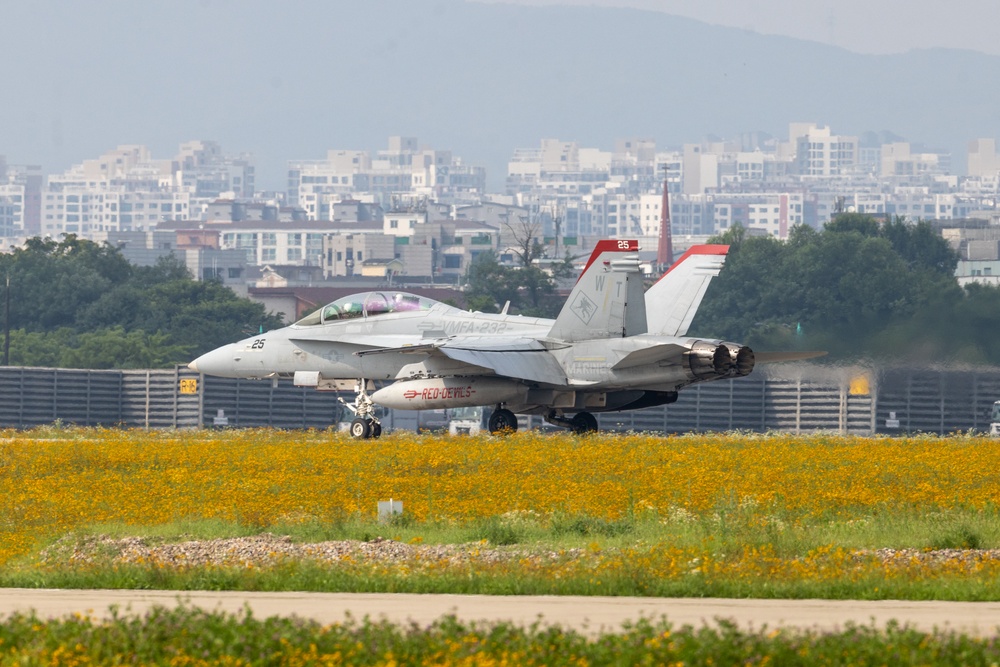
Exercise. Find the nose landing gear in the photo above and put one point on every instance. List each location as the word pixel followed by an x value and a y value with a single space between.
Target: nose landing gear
pixel 365 424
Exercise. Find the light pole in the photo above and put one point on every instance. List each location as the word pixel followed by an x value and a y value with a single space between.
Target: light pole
pixel 6 326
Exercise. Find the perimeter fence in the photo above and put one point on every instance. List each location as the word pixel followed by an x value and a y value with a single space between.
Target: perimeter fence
pixel 795 398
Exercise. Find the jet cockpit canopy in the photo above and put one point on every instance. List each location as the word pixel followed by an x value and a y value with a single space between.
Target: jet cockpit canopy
pixel 366 304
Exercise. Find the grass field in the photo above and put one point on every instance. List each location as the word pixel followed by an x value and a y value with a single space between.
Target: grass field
pixel 744 515
pixel 701 515
pixel 190 637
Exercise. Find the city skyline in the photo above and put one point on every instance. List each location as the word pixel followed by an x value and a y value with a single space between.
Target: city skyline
pixel 603 193
pixel 477 79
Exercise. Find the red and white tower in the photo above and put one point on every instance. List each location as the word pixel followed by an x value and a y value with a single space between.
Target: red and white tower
pixel 665 247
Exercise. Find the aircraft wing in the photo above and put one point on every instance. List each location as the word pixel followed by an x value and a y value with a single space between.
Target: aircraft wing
pixel 518 358
pixel 521 358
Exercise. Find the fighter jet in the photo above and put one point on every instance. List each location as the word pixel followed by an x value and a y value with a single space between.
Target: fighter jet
pixel 612 347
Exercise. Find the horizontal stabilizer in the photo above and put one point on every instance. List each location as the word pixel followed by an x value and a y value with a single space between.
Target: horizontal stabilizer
pixel 777 357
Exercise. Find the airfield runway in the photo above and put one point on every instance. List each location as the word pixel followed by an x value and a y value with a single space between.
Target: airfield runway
pixel 585 614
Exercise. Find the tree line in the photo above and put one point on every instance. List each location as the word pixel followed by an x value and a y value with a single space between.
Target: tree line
pixel 79 304
pixel 859 288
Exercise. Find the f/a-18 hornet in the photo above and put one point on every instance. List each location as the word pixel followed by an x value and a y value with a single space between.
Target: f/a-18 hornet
pixel 611 348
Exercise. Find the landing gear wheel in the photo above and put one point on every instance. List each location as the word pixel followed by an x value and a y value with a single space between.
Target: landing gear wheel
pixel 503 421
pixel 362 428
pixel 365 425
pixel 583 422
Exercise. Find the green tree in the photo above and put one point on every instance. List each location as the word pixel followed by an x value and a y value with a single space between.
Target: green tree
pixel 54 281
pixel 745 302
pixel 80 304
pixel 856 288
pixel 489 285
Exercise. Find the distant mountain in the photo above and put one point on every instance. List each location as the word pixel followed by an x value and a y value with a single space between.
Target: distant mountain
pixel 290 80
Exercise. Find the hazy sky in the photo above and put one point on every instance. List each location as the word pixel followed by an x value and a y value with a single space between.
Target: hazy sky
pixel 287 81
pixel 863 26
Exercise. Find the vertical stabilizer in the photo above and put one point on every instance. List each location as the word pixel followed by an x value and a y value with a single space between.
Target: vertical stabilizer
pixel 672 302
pixel 607 300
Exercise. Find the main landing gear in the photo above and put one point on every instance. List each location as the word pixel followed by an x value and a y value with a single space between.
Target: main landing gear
pixel 365 424
pixel 502 421
pixel 581 423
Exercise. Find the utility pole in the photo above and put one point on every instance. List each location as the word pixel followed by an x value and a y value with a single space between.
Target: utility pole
pixel 558 221
pixel 6 326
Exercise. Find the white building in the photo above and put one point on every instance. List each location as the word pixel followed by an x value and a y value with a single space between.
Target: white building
pixel 403 169
pixel 897 159
pixel 288 243
pixel 202 167
pixel 820 153
pixel 984 162
pixel 86 207
pixel 12 202
pixel 126 189
pixel 403 223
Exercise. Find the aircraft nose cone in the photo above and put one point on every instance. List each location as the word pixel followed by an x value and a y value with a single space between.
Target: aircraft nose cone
pixel 217 362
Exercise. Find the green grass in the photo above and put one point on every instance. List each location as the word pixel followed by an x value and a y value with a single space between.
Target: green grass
pixel 166 635
pixel 310 577
pixel 602 549
pixel 727 528
pixel 188 636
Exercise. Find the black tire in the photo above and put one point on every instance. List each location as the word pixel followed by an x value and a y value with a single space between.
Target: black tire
pixel 361 428
pixel 376 430
pixel 503 421
pixel 583 422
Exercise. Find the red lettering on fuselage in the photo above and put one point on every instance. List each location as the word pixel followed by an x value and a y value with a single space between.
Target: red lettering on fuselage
pixel 438 393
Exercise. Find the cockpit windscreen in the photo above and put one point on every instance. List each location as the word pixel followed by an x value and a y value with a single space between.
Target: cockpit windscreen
pixel 367 304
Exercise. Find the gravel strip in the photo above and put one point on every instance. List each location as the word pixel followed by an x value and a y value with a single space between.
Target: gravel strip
pixel 933 556
pixel 268 549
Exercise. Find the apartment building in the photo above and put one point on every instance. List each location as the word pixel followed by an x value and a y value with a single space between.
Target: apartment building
pixel 559 168
pixel 12 198
pixel 983 159
pixel 79 207
pixel 208 173
pixel 818 152
pixel 404 167
pixel 899 159
pixel 288 243
pixel 126 189
pixel 348 254
pixel 21 197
